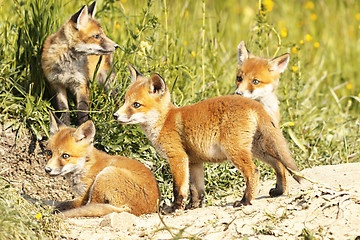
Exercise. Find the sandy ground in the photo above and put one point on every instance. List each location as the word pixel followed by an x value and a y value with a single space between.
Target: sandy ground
pixel 326 209
pixel 330 210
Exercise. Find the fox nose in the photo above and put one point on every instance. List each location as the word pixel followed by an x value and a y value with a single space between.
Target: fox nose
pixel 239 93
pixel 115 116
pixel 47 169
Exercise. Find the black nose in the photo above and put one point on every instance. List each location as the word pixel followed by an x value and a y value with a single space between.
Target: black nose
pixel 115 116
pixel 47 169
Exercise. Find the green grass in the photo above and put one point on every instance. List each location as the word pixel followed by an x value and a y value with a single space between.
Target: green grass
pixel 193 45
pixel 20 219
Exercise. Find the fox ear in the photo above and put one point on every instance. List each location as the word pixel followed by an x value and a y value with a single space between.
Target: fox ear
pixel 280 63
pixel 92 9
pixel 133 73
pixel 85 131
pixel 55 123
pixel 157 85
pixel 81 17
pixel 243 53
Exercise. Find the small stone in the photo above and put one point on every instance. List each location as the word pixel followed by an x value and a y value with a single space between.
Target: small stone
pixel 123 221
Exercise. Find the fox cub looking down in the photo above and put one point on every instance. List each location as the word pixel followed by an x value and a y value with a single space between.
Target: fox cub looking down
pixel 231 128
pixel 258 79
pixel 103 182
pixel 69 61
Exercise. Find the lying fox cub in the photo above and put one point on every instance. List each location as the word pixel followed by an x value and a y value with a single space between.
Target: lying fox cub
pixel 104 183
pixel 231 128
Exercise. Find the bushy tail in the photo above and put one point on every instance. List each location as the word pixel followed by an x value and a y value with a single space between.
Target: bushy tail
pixel 276 145
pixel 94 210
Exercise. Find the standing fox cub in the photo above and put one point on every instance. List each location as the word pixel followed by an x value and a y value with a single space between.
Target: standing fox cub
pixel 258 79
pixel 68 61
pixel 231 128
pixel 104 183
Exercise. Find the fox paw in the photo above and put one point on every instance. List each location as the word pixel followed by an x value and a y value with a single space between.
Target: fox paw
pixel 274 192
pixel 243 202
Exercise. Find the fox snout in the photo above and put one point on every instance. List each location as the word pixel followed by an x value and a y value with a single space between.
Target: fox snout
pixel 238 92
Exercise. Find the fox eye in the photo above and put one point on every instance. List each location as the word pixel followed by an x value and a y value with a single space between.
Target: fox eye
pixel 97 36
pixel 255 82
pixel 239 78
pixel 136 105
pixel 65 156
pixel 48 153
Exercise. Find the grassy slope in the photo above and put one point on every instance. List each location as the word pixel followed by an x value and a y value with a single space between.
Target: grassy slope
pixel 192 44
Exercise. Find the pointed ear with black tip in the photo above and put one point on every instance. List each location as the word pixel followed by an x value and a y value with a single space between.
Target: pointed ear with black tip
pixel 157 85
pixel 280 63
pixel 243 53
pixel 81 18
pixel 133 73
pixel 92 9
pixel 85 132
pixel 55 123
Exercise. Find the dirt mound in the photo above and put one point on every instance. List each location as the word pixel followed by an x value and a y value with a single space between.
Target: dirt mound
pixel 22 162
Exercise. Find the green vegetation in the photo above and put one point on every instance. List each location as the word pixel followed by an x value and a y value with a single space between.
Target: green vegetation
pixel 193 46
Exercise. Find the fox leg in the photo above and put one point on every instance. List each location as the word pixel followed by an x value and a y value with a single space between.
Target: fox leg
pixel 279 170
pixel 242 159
pixel 82 94
pixel 61 102
pixel 197 191
pixel 179 166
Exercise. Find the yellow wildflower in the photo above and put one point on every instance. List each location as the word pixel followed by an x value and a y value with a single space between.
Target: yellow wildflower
pixel 193 54
pixel 316 44
pixel 359 95
pixel 313 17
pixel 294 68
pixel 283 33
pixel 359 27
pixel 38 216
pixel 294 50
pixel 309 5
pixel 117 26
pixel 185 43
pixel 291 124
pixel 186 13
pixel 268 5
pixel 357 17
pixel 308 38
pixel 123 1
pixel 349 86
pixel 301 42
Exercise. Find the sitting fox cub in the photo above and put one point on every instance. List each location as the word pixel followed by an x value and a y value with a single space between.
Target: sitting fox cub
pixel 69 59
pixel 258 79
pixel 231 128
pixel 104 183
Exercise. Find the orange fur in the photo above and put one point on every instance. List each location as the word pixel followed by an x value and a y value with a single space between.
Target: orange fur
pixel 103 182
pixel 224 128
pixel 69 59
pixel 258 79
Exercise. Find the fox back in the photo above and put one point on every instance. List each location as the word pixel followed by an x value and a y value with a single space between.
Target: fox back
pixel 224 128
pixel 258 79
pixel 104 183
pixel 69 59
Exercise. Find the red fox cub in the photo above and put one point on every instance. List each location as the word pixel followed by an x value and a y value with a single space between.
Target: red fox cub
pixel 103 182
pixel 258 79
pixel 231 128
pixel 68 61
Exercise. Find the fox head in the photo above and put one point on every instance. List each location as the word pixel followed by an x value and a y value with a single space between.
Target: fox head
pixel 258 77
pixel 145 99
pixel 85 34
pixel 68 148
